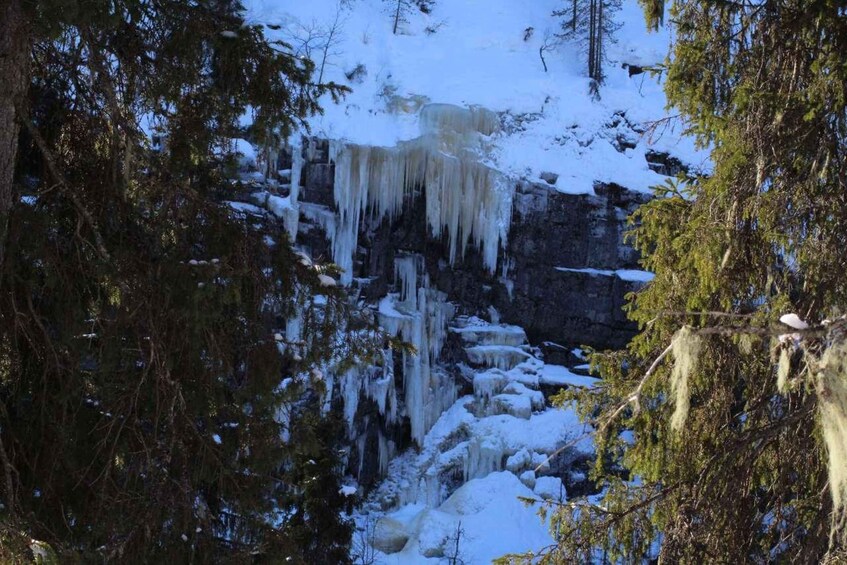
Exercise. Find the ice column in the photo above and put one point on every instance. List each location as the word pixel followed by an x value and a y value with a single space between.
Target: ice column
pixel 421 320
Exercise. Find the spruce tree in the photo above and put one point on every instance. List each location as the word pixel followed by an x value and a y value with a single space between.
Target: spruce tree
pixel 591 23
pixel 140 369
pixel 731 456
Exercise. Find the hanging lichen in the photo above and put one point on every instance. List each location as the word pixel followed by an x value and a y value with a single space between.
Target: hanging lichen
pixel 783 368
pixel 832 394
pixel 686 350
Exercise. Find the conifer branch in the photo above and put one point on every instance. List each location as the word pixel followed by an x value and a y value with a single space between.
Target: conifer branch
pixel 59 178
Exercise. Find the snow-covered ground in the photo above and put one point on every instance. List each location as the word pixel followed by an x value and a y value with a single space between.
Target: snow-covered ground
pixel 474 53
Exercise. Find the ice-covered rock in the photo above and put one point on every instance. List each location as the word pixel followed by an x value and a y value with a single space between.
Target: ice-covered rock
pixel 504 357
pixel 518 461
pixel 535 397
pixel 519 406
pixel 390 535
pixel 528 478
pixel 477 332
pixel 550 488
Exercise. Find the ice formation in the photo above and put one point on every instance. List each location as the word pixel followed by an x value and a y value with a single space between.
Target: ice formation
pixel 465 199
pixel 485 455
pixel 436 118
pixel 419 316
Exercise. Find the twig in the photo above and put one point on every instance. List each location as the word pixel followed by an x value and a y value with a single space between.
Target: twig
pixel 57 175
pixel 636 394
pixel 7 472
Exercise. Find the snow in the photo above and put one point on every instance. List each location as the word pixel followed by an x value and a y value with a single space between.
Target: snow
pixel 562 376
pixel 492 521
pixel 347 490
pixel 245 208
pixel 794 321
pixel 550 488
pixel 477 58
pixel 542 432
pixel 631 275
pixel 327 280
pixel 243 148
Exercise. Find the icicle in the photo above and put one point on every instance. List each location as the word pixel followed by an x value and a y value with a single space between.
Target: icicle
pixel 381 389
pixel 350 386
pixel 360 444
pixel 406 279
pixel 296 168
pixel 386 450
pixel 469 200
pixel 326 401
pixel 351 165
pixel 485 456
pixel 503 357
pixel 291 214
pixel 428 390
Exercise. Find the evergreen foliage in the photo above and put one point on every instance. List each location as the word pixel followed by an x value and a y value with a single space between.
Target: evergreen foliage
pixel 753 472
pixel 141 412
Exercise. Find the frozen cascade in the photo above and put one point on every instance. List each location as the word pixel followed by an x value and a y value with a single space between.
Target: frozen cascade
pixel 406 269
pixel 350 384
pixel 447 117
pixel 469 200
pixel 485 455
pixel 381 388
pixel 498 442
pixel 289 206
pixel 421 320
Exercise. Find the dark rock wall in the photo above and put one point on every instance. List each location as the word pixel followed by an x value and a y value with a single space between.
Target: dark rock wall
pixel 549 229
pixel 559 310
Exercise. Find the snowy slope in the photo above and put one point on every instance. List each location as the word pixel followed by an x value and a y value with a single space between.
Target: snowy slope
pixel 477 55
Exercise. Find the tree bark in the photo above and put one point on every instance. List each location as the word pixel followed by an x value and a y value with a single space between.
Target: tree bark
pixel 592 36
pixel 14 70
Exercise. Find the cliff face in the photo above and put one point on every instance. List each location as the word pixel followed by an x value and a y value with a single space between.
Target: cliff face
pixel 559 283
pixel 558 277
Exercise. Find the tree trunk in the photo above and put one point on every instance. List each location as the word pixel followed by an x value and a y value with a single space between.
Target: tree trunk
pixel 592 12
pixel 14 70
pixel 573 19
pixel 397 16
pixel 598 51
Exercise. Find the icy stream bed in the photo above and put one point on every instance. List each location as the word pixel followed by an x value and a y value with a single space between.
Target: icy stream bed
pixel 483 455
